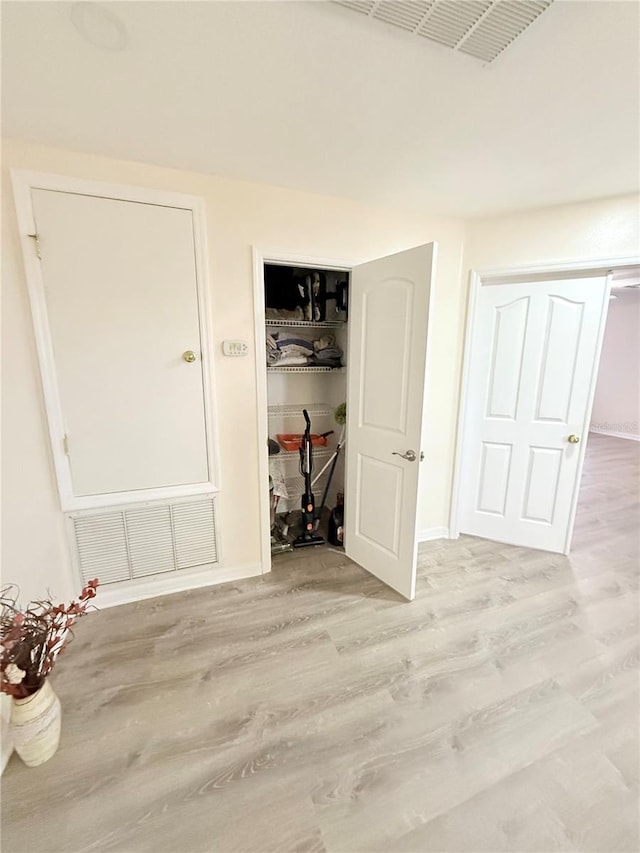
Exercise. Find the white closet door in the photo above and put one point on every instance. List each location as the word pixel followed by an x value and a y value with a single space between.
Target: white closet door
pixel 120 286
pixel 533 364
pixel 389 317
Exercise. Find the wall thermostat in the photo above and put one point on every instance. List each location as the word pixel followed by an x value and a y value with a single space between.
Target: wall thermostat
pixel 235 348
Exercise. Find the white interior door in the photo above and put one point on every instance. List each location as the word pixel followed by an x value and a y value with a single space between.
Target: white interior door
pixel 388 320
pixel 122 305
pixel 534 355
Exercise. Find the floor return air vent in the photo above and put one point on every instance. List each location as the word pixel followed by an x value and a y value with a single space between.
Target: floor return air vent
pixel 132 542
pixel 480 28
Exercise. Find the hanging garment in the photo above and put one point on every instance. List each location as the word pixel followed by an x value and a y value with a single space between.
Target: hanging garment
pixel 281 288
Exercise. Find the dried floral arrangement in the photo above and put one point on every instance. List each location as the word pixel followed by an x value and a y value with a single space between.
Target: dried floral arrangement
pixel 32 638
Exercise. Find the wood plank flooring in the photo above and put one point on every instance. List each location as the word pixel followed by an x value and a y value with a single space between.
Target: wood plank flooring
pixel 314 711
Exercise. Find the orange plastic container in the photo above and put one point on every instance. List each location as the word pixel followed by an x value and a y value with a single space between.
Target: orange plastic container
pixel 293 441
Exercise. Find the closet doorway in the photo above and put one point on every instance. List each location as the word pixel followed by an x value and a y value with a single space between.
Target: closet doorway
pixel 387 299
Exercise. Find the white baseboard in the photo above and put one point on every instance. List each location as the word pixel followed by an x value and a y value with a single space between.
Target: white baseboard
pixel 429 533
pixel 631 436
pixel 139 590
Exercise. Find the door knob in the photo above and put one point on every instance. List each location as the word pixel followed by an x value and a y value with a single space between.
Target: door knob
pixel 573 439
pixel 410 455
pixel 189 355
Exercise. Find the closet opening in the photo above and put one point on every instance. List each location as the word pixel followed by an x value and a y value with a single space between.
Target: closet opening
pixel 306 310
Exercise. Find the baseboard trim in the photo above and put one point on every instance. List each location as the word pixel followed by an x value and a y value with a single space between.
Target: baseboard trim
pixel 628 435
pixel 131 591
pixel 429 533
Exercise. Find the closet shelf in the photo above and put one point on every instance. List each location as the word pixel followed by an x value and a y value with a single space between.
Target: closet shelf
pixel 303 368
pixel 295 485
pixel 318 453
pixel 305 324
pixel 315 411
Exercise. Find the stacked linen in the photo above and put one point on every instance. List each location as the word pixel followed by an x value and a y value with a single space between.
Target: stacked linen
pixel 286 351
pixel 273 353
pixel 327 352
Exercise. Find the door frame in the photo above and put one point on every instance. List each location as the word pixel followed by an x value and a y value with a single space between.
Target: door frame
pixel 506 276
pixel 23 182
pixel 284 258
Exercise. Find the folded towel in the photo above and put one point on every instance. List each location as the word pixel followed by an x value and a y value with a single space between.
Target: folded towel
pixel 325 342
pixel 302 343
pixel 292 361
pixel 294 349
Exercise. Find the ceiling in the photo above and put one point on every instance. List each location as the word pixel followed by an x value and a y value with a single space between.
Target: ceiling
pixel 314 96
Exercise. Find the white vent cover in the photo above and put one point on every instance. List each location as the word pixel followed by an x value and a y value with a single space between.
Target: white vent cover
pixel 118 545
pixel 481 28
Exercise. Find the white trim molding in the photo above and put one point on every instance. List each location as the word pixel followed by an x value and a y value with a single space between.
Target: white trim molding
pixel 428 534
pixel 474 289
pixel 595 266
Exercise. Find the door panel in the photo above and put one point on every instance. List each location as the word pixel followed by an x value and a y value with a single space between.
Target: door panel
pixel 388 323
pixel 376 478
pixel 494 477
pixel 507 353
pixel 383 380
pixel 563 329
pixel 534 352
pixel 541 487
pixel 122 306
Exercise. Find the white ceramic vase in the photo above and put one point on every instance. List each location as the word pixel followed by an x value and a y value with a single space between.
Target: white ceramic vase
pixel 35 725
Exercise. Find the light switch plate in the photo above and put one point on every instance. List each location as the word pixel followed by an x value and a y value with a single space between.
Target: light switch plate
pixel 235 348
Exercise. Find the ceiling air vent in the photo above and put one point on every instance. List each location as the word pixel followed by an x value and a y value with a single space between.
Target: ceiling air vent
pixel 480 28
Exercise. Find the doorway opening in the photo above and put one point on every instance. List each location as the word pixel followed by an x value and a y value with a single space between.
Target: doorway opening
pixel 608 504
pixel 531 360
pixel 366 348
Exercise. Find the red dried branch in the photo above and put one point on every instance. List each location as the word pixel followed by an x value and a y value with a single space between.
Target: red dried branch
pixel 31 638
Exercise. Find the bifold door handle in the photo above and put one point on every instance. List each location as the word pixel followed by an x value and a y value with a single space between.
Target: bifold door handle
pixel 410 455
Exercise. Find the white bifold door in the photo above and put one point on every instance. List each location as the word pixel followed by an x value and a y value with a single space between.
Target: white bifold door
pixel 388 327
pixel 122 317
pixel 534 355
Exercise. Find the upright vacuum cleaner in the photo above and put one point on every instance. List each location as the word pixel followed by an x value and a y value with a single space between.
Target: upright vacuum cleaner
pixel 309 536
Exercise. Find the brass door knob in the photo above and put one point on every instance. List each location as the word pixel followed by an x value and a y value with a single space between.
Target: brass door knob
pixel 574 439
pixel 189 355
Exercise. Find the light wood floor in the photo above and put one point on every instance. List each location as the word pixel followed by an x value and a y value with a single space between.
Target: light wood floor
pixel 313 711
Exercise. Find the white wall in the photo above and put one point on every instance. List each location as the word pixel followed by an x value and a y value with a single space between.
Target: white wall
pixel 596 229
pixel 239 215
pixel 616 407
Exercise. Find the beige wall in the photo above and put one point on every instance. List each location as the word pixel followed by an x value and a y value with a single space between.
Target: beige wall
pixel 597 229
pixel 239 215
pixel 616 407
